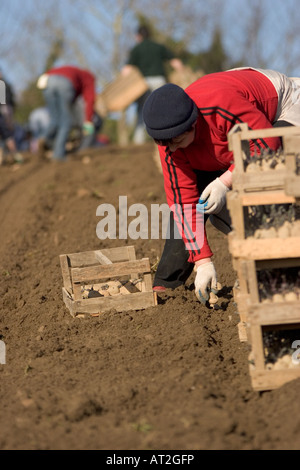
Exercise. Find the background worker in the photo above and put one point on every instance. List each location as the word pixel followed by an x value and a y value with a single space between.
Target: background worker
pixel 190 128
pixel 87 140
pixel 61 87
pixel 7 124
pixel 7 142
pixel 8 109
pixel 150 58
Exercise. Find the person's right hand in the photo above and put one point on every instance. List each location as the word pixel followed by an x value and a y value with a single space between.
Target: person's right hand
pixel 205 281
pixel 214 197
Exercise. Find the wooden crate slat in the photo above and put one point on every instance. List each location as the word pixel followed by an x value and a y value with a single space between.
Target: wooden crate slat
pixel 234 144
pixel 240 266
pixel 242 297
pixel 272 379
pixel 89 257
pixel 65 269
pixel 292 186
pixel 267 248
pixel 148 282
pixel 84 258
pixel 291 144
pixel 236 209
pixel 116 254
pixel 257 346
pixel 102 258
pixel 242 332
pixel 252 281
pixel 132 257
pixel 246 134
pixel 136 301
pixel 275 313
pixel 242 301
pixel 77 291
pixel 271 180
pixel 68 301
pixel 110 270
pixel 265 198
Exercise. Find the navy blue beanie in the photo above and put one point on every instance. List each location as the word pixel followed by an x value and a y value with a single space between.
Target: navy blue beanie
pixel 169 112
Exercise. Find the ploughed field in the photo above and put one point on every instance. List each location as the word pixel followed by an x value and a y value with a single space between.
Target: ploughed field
pixel 173 376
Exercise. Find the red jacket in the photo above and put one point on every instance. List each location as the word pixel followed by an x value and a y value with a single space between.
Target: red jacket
pixel 84 84
pixel 224 99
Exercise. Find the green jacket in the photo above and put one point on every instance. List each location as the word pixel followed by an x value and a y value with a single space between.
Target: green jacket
pixel 150 57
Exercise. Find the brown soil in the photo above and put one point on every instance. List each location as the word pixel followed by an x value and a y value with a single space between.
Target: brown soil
pixel 169 377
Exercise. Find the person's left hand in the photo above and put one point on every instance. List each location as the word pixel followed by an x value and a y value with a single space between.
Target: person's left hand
pixel 88 128
pixel 214 196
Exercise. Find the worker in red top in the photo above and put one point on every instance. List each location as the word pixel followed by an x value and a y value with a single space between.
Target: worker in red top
pixel 61 87
pixel 190 127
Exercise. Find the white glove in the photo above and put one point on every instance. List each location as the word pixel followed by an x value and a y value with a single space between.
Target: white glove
pixel 205 281
pixel 214 197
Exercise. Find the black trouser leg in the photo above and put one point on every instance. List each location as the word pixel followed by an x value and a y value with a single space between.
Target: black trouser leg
pixel 282 124
pixel 174 268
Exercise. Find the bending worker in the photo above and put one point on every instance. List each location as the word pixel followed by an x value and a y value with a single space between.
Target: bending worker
pixel 61 87
pixel 190 127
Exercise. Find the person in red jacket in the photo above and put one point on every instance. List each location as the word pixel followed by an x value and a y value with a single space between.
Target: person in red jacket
pixel 190 127
pixel 61 87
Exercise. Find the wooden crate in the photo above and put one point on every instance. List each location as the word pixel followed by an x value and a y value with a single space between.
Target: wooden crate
pixel 238 142
pixel 86 269
pixel 239 202
pixel 248 275
pixel 273 317
pixel 251 291
pixel 292 182
pixel 242 299
pixel 121 92
pixel 272 245
pixel 292 187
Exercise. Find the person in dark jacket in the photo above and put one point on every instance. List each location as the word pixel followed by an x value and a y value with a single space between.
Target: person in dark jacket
pixel 150 58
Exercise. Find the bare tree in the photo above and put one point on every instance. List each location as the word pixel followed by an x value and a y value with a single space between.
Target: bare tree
pixel 263 33
pixel 98 34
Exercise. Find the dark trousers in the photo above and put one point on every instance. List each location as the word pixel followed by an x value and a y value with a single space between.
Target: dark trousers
pixel 174 268
pixel 282 124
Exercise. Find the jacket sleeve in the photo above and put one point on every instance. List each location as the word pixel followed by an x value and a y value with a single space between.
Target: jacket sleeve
pixel 182 197
pixel 240 110
pixel 89 96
